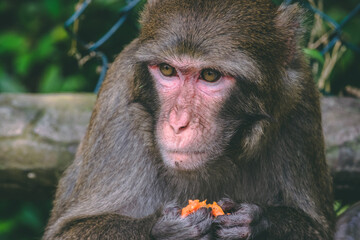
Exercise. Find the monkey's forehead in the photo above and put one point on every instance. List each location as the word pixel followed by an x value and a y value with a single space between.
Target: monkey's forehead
pixel 212 28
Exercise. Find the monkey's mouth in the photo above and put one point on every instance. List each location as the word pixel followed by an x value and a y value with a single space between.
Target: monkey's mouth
pixel 182 154
pixel 185 152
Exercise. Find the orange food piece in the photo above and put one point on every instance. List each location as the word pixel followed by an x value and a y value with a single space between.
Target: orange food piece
pixel 216 210
pixel 195 205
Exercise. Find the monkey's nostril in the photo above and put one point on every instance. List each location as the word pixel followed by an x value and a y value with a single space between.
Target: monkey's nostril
pixel 179 128
pixel 179 121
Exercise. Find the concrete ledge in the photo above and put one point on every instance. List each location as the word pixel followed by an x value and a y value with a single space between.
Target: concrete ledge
pixel 39 135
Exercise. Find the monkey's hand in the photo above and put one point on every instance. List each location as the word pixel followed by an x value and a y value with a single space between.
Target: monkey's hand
pixel 245 221
pixel 172 226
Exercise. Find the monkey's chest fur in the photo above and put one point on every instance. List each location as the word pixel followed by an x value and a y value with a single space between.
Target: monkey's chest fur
pixel 244 184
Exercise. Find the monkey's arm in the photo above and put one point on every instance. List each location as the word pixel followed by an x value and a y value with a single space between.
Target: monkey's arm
pixel 275 223
pixel 105 226
pixel 290 223
pixel 114 226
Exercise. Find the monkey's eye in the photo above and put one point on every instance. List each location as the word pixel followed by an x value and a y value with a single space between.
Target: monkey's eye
pixel 167 70
pixel 210 75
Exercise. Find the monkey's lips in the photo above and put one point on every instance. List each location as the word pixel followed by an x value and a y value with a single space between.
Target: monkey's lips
pixel 186 160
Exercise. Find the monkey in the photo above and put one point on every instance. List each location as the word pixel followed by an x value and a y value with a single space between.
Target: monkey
pixel 214 100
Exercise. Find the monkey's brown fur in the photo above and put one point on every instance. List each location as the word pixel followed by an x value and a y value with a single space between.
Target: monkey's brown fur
pixel 271 153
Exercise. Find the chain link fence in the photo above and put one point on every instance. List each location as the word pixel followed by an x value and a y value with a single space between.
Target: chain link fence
pixel 325 47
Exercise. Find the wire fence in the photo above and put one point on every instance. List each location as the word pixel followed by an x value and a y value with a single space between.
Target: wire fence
pixel 334 37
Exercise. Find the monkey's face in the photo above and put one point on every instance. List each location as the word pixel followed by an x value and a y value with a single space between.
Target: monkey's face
pixel 211 66
pixel 191 95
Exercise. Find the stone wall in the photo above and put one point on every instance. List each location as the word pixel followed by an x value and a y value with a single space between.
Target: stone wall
pixel 39 135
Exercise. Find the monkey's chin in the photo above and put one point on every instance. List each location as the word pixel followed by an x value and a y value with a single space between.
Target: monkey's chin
pixel 185 161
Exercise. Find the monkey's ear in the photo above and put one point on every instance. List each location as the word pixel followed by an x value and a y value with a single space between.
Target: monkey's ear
pixel 290 23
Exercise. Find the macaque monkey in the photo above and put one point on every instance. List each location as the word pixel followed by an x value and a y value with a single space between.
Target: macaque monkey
pixel 214 100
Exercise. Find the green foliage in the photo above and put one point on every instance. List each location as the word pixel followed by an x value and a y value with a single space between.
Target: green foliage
pixel 347 69
pixel 339 208
pixel 277 2
pixel 34 57
pixel 52 81
pixel 9 84
pixel 23 220
pixel 34 45
pixel 314 54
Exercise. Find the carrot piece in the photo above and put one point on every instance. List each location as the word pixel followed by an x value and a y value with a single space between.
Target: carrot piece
pixel 216 210
pixel 195 205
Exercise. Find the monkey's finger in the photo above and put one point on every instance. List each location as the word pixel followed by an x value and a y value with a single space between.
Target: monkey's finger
pixel 227 204
pixel 173 211
pixel 228 221
pixel 206 237
pixel 202 222
pixel 254 212
pixel 233 233
pixel 201 214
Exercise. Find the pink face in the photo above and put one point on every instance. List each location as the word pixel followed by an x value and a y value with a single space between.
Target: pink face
pixel 191 95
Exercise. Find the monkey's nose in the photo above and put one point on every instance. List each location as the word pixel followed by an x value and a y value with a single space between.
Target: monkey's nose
pixel 179 120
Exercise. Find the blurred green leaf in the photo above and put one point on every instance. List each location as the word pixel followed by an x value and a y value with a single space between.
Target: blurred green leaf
pixel 336 13
pixel 12 42
pixel 352 30
pixel 314 54
pixel 113 4
pixel 51 81
pixel 23 63
pixel 74 83
pixel 346 59
pixel 45 47
pixel 3 6
pixel 342 210
pixel 30 217
pixel 53 7
pixel 339 208
pixel 9 84
pixel 58 34
pixel 7 225
pixel 277 2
